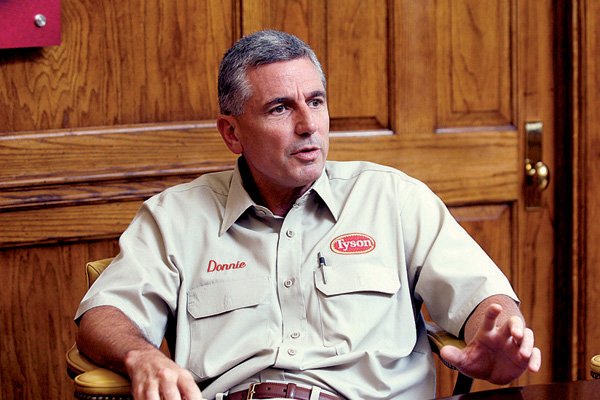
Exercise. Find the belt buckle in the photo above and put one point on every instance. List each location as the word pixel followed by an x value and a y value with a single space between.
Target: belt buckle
pixel 251 391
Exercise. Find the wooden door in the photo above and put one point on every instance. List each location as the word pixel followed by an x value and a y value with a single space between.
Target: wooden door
pixel 443 90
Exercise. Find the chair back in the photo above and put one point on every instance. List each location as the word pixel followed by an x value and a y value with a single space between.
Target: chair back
pixel 93 269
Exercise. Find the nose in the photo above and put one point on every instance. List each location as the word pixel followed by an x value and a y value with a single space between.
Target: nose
pixel 305 121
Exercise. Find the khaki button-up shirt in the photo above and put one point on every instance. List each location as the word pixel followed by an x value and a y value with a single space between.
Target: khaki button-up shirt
pixel 248 298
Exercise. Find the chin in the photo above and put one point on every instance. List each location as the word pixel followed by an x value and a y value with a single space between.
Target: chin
pixel 308 177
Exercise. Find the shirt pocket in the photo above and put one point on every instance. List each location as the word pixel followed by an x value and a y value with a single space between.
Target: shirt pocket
pixel 358 305
pixel 227 323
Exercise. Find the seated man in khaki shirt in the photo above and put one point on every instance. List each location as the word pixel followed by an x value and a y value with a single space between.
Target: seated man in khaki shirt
pixel 292 274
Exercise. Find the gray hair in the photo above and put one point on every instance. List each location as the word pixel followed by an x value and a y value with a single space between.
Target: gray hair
pixel 259 48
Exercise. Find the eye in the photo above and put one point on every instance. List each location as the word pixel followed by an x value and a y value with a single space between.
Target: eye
pixel 316 103
pixel 280 109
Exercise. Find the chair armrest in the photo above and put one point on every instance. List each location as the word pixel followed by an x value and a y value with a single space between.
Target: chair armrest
pixel 439 338
pixel 595 366
pixel 93 382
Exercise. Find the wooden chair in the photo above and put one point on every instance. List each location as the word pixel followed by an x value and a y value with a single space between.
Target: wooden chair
pixel 95 383
pixel 91 381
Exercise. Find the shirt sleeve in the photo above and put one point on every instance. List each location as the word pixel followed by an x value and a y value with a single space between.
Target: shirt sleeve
pixel 452 272
pixel 141 281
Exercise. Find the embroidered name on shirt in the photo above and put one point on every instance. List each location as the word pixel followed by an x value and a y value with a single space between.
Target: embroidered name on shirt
pixel 352 243
pixel 214 266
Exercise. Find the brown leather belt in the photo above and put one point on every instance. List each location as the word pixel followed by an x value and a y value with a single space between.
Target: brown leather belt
pixel 270 390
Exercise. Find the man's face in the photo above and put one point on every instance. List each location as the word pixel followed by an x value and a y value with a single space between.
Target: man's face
pixel 283 132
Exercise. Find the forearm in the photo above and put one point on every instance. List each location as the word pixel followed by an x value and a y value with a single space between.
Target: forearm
pixel 107 336
pixel 111 339
pixel 475 320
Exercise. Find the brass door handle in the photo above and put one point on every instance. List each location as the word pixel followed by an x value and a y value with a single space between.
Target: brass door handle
pixel 537 174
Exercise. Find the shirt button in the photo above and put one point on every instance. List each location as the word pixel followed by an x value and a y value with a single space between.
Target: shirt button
pixel 288 283
pixel 295 335
pixel 292 352
pixel 289 233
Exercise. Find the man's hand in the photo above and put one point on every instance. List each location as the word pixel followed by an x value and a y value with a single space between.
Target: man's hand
pixel 123 348
pixel 497 353
pixel 155 377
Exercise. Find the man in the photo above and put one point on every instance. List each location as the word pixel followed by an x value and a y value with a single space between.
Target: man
pixel 302 274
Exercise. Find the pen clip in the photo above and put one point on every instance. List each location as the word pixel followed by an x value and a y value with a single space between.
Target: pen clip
pixel 322 265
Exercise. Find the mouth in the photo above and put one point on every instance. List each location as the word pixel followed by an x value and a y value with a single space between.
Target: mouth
pixel 307 153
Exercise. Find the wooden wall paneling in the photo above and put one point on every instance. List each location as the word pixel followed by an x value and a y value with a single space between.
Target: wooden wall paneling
pixel 303 18
pixel 428 89
pixel 105 171
pixel 459 168
pixel 92 127
pixel 474 64
pixel 460 76
pixel 88 130
pixel 482 75
pixel 414 60
pixel 66 223
pixel 41 289
pixel 357 61
pixel 455 67
pixel 446 100
pixel 351 40
pixel 428 156
pixel 536 235
pixel 586 175
pixel 60 157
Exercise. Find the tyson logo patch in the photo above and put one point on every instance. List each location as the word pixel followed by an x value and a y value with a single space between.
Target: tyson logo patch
pixel 352 243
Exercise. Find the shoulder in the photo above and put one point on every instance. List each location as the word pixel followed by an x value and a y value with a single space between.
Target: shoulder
pixel 207 188
pixel 378 183
pixel 357 170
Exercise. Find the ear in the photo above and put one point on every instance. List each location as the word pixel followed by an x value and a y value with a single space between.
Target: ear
pixel 227 126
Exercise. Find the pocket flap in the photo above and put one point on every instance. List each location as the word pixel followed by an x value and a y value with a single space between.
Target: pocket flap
pixel 220 297
pixel 332 280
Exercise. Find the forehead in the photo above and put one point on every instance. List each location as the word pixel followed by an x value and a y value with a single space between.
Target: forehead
pixel 283 78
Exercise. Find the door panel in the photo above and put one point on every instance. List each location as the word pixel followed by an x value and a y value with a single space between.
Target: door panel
pixel 459 80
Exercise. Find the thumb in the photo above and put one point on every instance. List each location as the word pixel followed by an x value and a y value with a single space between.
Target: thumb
pixel 453 355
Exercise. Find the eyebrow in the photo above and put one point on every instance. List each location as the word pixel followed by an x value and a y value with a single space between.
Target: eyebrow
pixel 279 100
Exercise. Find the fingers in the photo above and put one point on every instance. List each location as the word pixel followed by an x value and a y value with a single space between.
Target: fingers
pixel 530 356
pixel 169 389
pixel 535 361
pixel 529 353
pixel 526 343
pixel 516 328
pixel 491 314
pixel 189 389
pixel 168 384
pixel 453 355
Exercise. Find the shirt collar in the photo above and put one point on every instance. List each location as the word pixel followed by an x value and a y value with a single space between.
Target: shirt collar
pixel 238 199
pixel 322 187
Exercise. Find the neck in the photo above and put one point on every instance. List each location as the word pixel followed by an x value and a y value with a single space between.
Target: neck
pixel 278 200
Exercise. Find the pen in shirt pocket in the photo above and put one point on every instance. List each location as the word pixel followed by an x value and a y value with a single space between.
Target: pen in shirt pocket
pixel 323 266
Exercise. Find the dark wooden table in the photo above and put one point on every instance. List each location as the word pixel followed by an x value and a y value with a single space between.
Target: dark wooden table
pixel 576 390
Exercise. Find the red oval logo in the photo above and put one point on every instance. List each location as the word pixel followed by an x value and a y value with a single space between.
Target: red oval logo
pixel 352 243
